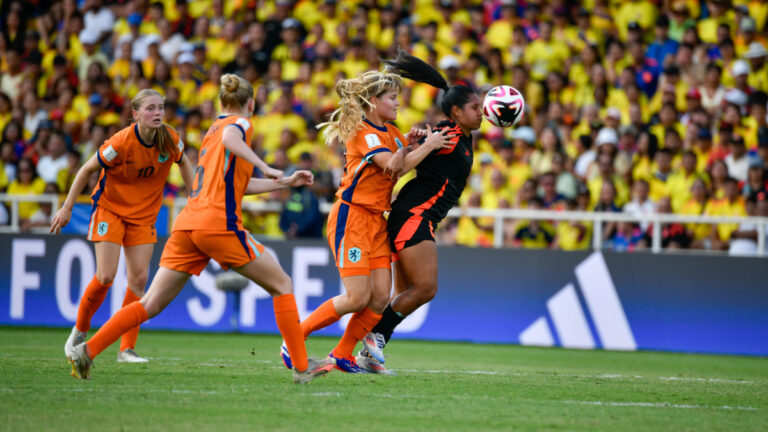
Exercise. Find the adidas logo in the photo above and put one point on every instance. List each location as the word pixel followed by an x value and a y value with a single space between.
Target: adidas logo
pixel 570 322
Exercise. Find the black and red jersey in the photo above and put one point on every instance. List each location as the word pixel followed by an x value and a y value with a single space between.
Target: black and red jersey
pixel 440 178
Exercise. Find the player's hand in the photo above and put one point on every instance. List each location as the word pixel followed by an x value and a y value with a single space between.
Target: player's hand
pixel 60 220
pixel 439 140
pixel 299 178
pixel 273 173
pixel 394 165
pixel 416 134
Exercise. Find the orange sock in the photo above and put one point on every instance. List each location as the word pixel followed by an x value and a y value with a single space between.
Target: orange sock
pixel 124 320
pixel 128 341
pixel 90 303
pixel 321 318
pixel 361 323
pixel 287 317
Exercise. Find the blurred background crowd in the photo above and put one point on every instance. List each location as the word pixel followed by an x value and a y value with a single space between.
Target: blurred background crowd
pixel 632 106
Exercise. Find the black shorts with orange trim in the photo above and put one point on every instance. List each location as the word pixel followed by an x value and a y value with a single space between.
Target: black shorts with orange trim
pixel 407 229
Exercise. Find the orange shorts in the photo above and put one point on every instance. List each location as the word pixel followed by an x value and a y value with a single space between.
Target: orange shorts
pixel 358 240
pixel 107 226
pixel 190 251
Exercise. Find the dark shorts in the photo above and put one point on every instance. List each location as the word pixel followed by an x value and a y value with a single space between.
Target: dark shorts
pixel 407 229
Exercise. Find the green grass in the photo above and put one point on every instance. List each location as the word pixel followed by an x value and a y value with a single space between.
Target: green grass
pixel 237 382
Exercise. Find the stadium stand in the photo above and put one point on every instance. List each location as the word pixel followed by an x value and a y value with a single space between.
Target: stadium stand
pixel 632 106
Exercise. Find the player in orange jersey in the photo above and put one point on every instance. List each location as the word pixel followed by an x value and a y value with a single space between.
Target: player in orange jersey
pixel 357 230
pixel 134 165
pixel 210 226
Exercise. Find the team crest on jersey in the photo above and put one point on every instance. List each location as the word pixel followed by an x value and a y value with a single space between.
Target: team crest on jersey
pixel 354 254
pixel 372 140
pixel 109 153
pixel 162 158
pixel 102 228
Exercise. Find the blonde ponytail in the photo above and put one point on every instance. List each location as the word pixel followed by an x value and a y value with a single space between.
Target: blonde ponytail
pixel 354 100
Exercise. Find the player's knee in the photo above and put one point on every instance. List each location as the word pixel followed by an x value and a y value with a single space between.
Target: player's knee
pixel 426 291
pixel 379 301
pixel 281 286
pixel 104 278
pixel 358 301
pixel 138 284
pixel 285 286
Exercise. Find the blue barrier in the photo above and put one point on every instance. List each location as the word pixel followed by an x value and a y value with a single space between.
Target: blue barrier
pixel 548 298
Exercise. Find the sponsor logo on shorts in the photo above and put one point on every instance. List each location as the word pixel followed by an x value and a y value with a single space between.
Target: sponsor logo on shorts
pixel 102 228
pixel 354 254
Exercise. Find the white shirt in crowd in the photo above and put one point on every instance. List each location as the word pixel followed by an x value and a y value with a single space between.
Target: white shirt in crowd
pixel 48 168
pixel 583 162
pixel 746 247
pixel 171 47
pixel 637 208
pixel 32 122
pixel 101 21
pixel 738 168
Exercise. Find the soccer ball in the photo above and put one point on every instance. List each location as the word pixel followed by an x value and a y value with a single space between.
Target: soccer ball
pixel 503 106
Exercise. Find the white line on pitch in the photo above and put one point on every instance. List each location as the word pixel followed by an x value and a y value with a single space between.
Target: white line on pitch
pixel 657 405
pixel 603 376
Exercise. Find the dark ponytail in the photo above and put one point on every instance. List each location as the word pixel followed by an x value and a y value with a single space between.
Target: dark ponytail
pixel 408 66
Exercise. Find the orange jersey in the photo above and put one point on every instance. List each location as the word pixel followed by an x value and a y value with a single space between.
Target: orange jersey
pixel 220 182
pixel 133 175
pixel 369 187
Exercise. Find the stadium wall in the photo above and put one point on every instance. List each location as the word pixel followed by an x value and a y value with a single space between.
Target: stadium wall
pixel 550 298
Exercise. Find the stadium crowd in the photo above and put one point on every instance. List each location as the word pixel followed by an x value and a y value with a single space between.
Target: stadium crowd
pixel 635 106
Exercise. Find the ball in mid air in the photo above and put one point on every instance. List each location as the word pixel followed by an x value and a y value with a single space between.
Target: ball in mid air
pixel 503 106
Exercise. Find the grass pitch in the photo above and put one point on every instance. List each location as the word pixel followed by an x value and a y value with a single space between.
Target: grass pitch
pixel 237 382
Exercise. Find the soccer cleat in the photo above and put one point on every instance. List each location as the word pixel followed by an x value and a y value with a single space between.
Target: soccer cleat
pixel 346 364
pixel 286 356
pixel 315 368
pixel 370 365
pixel 76 337
pixel 81 363
pixel 130 356
pixel 375 343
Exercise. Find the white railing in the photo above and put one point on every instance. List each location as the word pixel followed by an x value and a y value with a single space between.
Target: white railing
pixel 499 216
pixel 13 202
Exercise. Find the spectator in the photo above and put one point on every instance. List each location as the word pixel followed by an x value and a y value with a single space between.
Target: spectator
pixel 640 204
pixel 534 234
pixel 41 219
pixel 738 159
pixel 572 235
pixel 732 204
pixel 627 237
pixel 27 183
pixel 697 205
pixel 673 235
pixel 54 159
pixel 301 217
